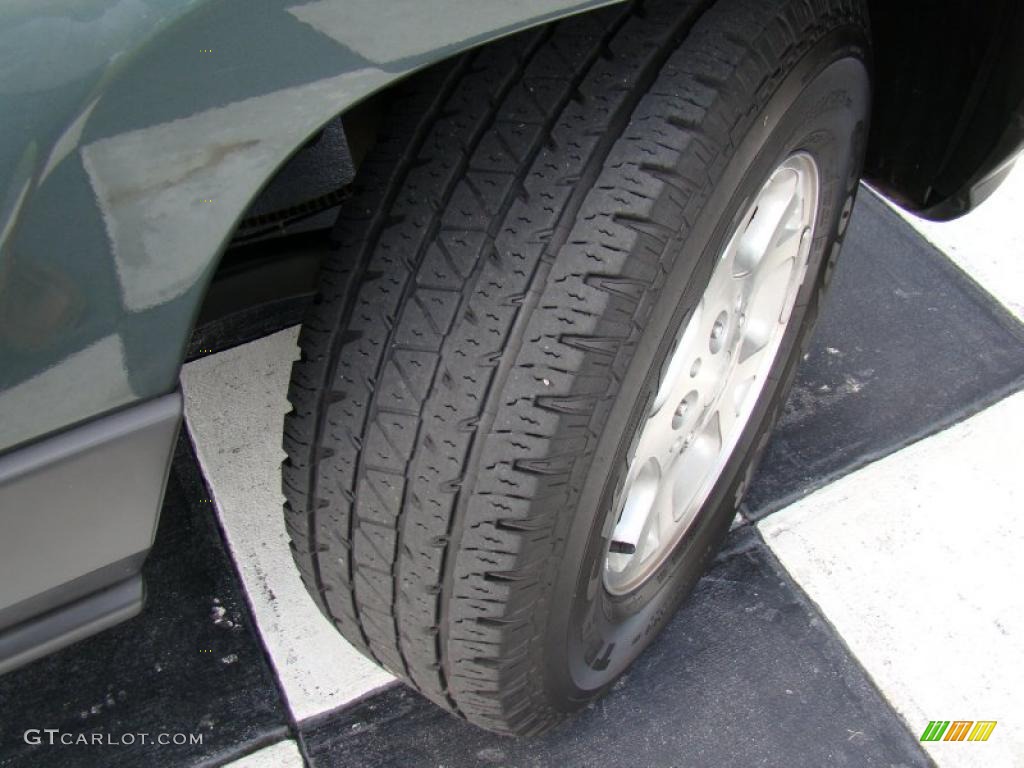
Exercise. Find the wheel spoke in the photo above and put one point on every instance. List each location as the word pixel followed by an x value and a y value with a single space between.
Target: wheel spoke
pixel 650 534
pixel 722 287
pixel 748 366
pixel 768 234
pixel 656 440
pixel 784 243
pixel 746 378
pixel 665 511
pixel 717 427
pixel 774 288
pixel 692 469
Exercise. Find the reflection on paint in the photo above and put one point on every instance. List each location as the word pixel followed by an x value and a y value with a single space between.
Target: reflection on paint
pixel 412 27
pixel 221 154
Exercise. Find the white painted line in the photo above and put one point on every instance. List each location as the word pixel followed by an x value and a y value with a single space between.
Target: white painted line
pixel 235 403
pixel 987 243
pixel 284 754
pixel 917 562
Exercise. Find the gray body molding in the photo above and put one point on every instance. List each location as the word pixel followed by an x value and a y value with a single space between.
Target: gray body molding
pixel 78 512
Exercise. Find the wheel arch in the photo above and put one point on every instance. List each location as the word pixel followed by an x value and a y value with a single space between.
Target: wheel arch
pixel 129 176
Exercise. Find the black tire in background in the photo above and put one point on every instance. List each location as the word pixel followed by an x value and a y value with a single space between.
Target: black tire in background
pixel 536 219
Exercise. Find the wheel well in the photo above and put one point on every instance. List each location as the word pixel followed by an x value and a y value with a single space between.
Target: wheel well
pixel 949 75
pixel 268 272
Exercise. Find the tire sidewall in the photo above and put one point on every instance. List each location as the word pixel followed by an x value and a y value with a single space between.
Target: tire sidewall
pixel 820 107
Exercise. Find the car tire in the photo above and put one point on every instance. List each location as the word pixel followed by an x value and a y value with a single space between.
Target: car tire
pixel 537 227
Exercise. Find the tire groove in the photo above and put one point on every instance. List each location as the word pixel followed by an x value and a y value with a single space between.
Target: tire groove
pixel 411 290
pixel 382 219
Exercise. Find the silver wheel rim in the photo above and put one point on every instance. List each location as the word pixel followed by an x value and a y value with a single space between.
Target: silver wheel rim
pixel 715 374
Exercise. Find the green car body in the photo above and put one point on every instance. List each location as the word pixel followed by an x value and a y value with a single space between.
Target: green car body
pixel 134 135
